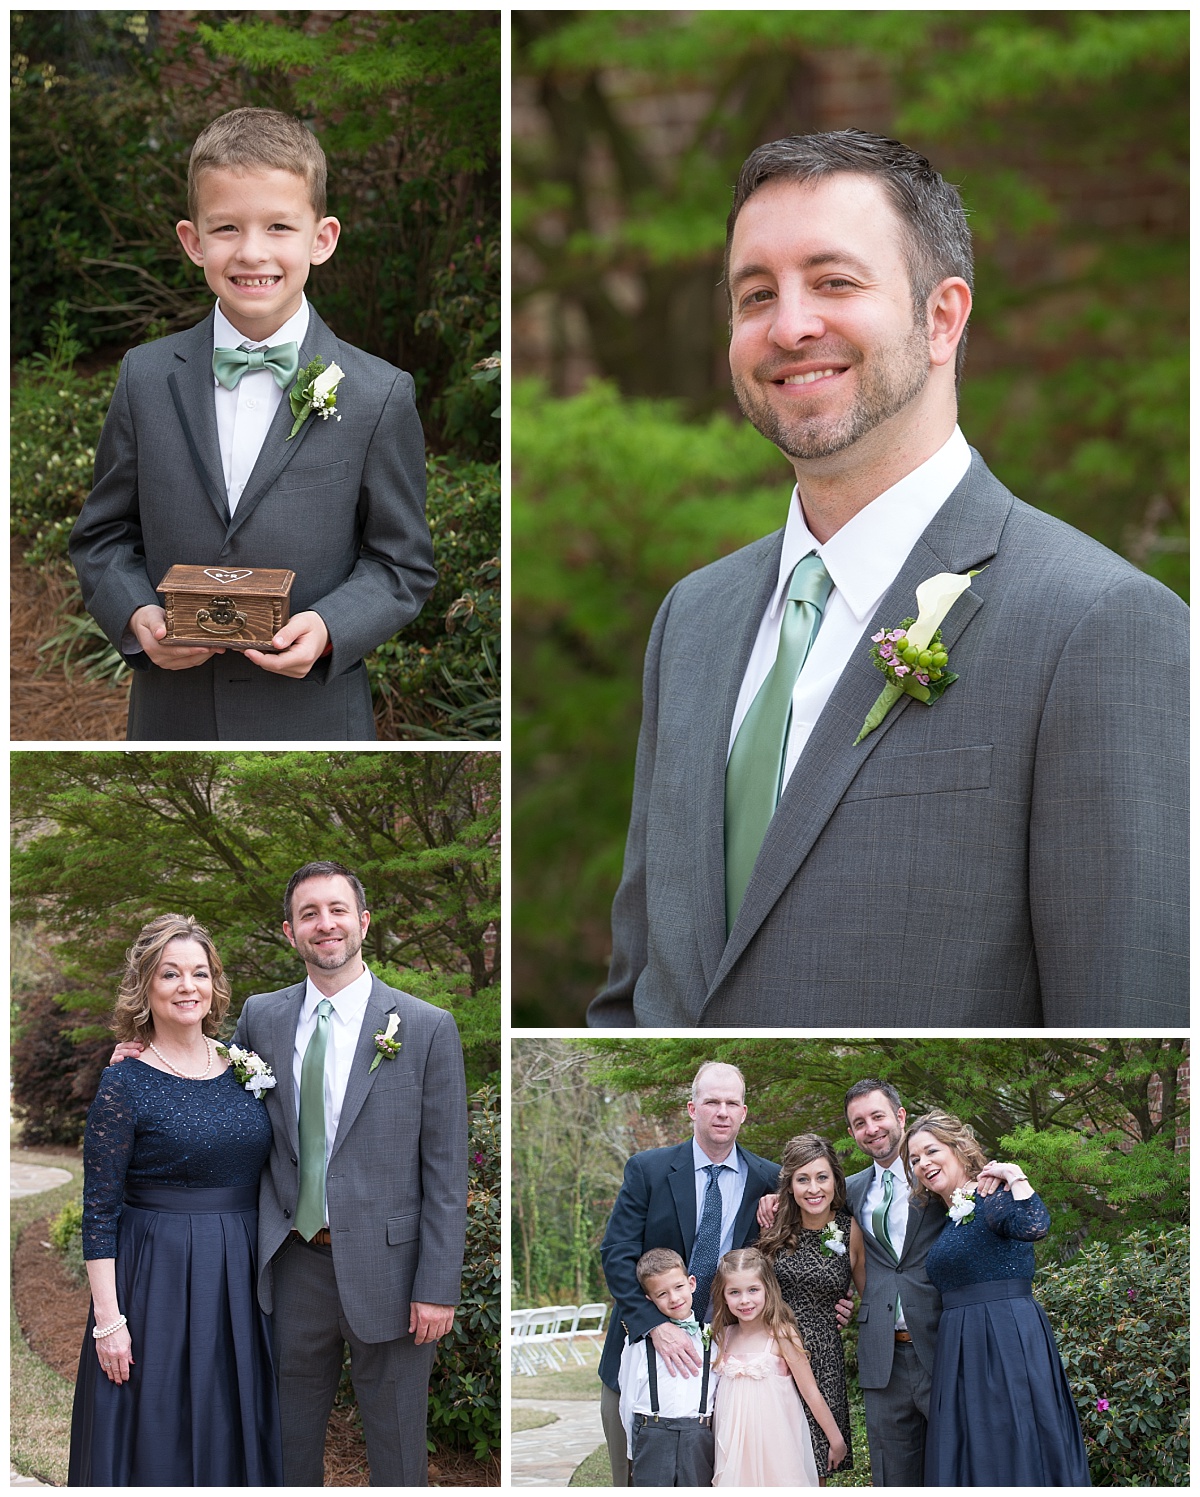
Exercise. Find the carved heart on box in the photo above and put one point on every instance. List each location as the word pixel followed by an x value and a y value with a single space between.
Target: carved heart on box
pixel 225 576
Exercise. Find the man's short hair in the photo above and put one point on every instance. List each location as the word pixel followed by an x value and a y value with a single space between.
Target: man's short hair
pixel 656 1261
pixel 871 1084
pixel 707 1066
pixel 323 870
pixel 937 238
pixel 258 140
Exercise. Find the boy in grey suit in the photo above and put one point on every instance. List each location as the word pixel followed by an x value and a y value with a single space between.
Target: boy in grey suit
pixel 363 1204
pixel 203 461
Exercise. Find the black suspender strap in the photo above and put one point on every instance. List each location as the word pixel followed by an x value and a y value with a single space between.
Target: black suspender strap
pixel 704 1382
pixel 652 1374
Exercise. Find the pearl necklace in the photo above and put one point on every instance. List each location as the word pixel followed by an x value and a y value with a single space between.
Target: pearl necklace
pixel 203 1074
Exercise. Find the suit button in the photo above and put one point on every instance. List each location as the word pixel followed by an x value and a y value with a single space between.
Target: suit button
pixel 295 1160
pixel 288 1214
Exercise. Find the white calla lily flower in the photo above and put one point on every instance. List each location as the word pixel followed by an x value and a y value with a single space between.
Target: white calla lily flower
pixel 936 596
pixel 327 381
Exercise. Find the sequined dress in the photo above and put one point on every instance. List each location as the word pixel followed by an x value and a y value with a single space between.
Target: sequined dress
pixel 813 1279
pixel 761 1435
pixel 171 1170
pixel 1000 1413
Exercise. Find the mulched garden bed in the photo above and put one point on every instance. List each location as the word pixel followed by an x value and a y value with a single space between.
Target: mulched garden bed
pixel 52 1311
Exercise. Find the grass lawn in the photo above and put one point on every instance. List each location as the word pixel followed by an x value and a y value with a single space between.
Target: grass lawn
pixel 595 1471
pixel 531 1419
pixel 39 1400
pixel 571 1381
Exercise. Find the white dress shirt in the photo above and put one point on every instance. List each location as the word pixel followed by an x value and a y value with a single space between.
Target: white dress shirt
pixel 245 413
pixel 731 1181
pixel 897 1213
pixel 678 1397
pixel 863 559
pixel 345 1024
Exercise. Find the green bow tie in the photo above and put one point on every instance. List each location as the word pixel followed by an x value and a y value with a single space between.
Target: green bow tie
pixel 229 364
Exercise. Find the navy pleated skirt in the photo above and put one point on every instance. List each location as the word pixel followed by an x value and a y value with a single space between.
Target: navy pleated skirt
pixel 200 1408
pixel 1000 1413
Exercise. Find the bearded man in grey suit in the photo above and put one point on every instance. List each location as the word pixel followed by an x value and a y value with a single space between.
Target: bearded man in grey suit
pixel 202 461
pixel 1013 852
pixel 362 1208
pixel 900 1309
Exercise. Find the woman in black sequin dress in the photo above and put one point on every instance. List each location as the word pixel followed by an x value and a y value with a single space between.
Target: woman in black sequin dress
pixel 180 1391
pixel 1000 1411
pixel 816 1249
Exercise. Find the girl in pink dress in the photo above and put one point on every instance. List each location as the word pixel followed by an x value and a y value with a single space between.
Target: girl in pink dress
pixel 762 1436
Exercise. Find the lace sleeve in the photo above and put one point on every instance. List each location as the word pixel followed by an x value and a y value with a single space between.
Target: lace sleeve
pixel 107 1150
pixel 1023 1221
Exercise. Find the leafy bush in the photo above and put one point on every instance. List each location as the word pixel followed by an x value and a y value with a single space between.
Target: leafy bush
pixel 54 1079
pixel 1120 1314
pixel 66 1238
pixel 464 1391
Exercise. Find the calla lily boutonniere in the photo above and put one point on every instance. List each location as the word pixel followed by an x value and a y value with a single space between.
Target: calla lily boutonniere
pixel 912 656
pixel 387 1046
pixel 315 390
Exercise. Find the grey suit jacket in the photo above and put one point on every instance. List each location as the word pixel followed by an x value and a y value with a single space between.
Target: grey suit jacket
pixel 886 1278
pixel 1014 854
pixel 397 1176
pixel 342 504
pixel 656 1208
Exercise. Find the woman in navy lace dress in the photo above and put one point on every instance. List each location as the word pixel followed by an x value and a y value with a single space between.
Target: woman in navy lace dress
pixel 179 1388
pixel 1000 1413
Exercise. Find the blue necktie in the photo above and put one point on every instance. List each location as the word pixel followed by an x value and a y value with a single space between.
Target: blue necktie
pixel 706 1249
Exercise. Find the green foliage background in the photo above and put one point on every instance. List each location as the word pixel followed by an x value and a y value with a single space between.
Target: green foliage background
pixel 1096 1123
pixel 105 841
pixel 1075 390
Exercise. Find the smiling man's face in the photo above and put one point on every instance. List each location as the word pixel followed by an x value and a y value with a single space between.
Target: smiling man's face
pixel 326 927
pixel 825 347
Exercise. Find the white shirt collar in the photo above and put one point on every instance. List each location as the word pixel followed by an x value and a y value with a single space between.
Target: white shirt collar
pixel 895 1168
pixel 701 1161
pixel 225 335
pixel 347 1004
pixel 864 557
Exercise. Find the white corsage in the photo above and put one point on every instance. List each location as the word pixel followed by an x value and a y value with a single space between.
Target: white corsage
pixel 315 390
pixel 834 1240
pixel 386 1044
pixel 962 1205
pixel 249 1070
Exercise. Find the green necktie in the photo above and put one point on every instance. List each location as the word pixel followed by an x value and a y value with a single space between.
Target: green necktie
pixel 754 774
pixel 310 1206
pixel 879 1217
pixel 229 364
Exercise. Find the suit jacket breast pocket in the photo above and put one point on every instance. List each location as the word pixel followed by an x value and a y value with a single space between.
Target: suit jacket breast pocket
pixel 935 773
pixel 294 477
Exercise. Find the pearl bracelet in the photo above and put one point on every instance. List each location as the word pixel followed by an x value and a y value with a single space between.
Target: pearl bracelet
pixel 99 1333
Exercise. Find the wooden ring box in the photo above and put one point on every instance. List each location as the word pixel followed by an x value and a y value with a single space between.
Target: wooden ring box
pixel 231 608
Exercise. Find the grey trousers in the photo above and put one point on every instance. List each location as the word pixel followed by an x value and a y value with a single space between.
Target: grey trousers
pixel 672 1453
pixel 391 1378
pixel 614 1435
pixel 896 1422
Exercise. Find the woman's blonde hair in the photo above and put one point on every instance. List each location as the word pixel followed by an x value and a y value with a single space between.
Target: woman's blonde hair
pixel 131 1018
pixel 776 1316
pixel 780 1236
pixel 952 1132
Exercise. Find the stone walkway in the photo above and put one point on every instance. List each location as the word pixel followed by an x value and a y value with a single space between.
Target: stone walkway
pixel 28 1180
pixel 549 1457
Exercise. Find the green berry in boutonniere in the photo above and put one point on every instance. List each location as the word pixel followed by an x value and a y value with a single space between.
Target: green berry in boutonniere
pixel 315 390
pixel 386 1044
pixel 912 656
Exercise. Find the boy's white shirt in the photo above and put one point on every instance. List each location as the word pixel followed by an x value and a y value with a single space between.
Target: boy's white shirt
pixel 678 1397
pixel 245 413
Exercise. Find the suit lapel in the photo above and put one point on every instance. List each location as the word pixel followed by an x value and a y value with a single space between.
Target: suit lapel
pixel 748 1209
pixel 682 1179
pixel 735 620
pixel 277 451
pixel 964 534
pixel 381 1003
pixel 285 1022
pixel 191 389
